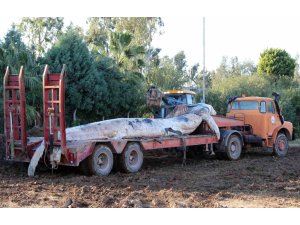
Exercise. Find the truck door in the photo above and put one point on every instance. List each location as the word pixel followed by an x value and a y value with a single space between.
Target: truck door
pixel 264 119
pixel 272 117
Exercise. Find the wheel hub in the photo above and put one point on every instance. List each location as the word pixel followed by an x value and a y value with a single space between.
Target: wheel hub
pixel 133 157
pixel 102 160
pixel 281 145
pixel 233 147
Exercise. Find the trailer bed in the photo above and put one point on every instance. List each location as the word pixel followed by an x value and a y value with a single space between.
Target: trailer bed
pixel 146 143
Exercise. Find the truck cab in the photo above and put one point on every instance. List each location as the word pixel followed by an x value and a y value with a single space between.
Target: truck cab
pixel 173 98
pixel 181 96
pixel 264 119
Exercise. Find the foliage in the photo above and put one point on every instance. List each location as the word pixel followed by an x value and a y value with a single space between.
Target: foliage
pixel 142 30
pixel 170 74
pixel 223 88
pixel 125 90
pixel 290 102
pixel 127 40
pixel 85 87
pixel 15 54
pixel 128 56
pixel 98 33
pixel 276 63
pixel 233 67
pixel 41 32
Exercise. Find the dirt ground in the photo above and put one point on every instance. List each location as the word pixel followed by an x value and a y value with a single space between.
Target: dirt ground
pixel 256 180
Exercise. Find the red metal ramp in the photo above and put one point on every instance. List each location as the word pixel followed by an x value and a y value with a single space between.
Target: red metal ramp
pixel 54 111
pixel 14 113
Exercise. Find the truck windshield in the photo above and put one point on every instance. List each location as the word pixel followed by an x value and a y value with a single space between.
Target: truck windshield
pixel 179 98
pixel 244 105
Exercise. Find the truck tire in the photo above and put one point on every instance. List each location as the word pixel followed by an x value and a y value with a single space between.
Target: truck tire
pixel 281 145
pixel 233 148
pixel 132 158
pixel 101 161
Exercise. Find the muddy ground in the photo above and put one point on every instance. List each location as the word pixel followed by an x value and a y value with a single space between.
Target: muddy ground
pixel 256 180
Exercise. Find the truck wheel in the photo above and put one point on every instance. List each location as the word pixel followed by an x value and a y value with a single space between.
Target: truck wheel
pixel 101 161
pixel 281 145
pixel 234 148
pixel 132 158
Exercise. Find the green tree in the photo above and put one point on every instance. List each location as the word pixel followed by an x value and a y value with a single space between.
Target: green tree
pixel 276 63
pixel 85 87
pixel 152 66
pixel 127 39
pixel 233 67
pixel 171 72
pixel 248 67
pixel 14 53
pixel 125 90
pixel 142 29
pixel 99 30
pixel 41 32
pixel 127 55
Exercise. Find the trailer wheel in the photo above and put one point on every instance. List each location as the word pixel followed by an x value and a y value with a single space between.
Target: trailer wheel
pixel 281 145
pixel 132 158
pixel 234 148
pixel 101 161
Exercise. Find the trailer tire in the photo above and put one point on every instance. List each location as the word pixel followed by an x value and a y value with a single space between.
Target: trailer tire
pixel 101 161
pixel 281 145
pixel 132 158
pixel 234 148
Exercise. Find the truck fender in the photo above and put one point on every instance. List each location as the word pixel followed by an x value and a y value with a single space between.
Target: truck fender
pixel 225 134
pixel 282 130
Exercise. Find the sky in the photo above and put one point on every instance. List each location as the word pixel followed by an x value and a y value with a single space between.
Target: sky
pixel 244 37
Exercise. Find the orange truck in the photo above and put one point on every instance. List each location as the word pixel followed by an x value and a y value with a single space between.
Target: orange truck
pixel 261 123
